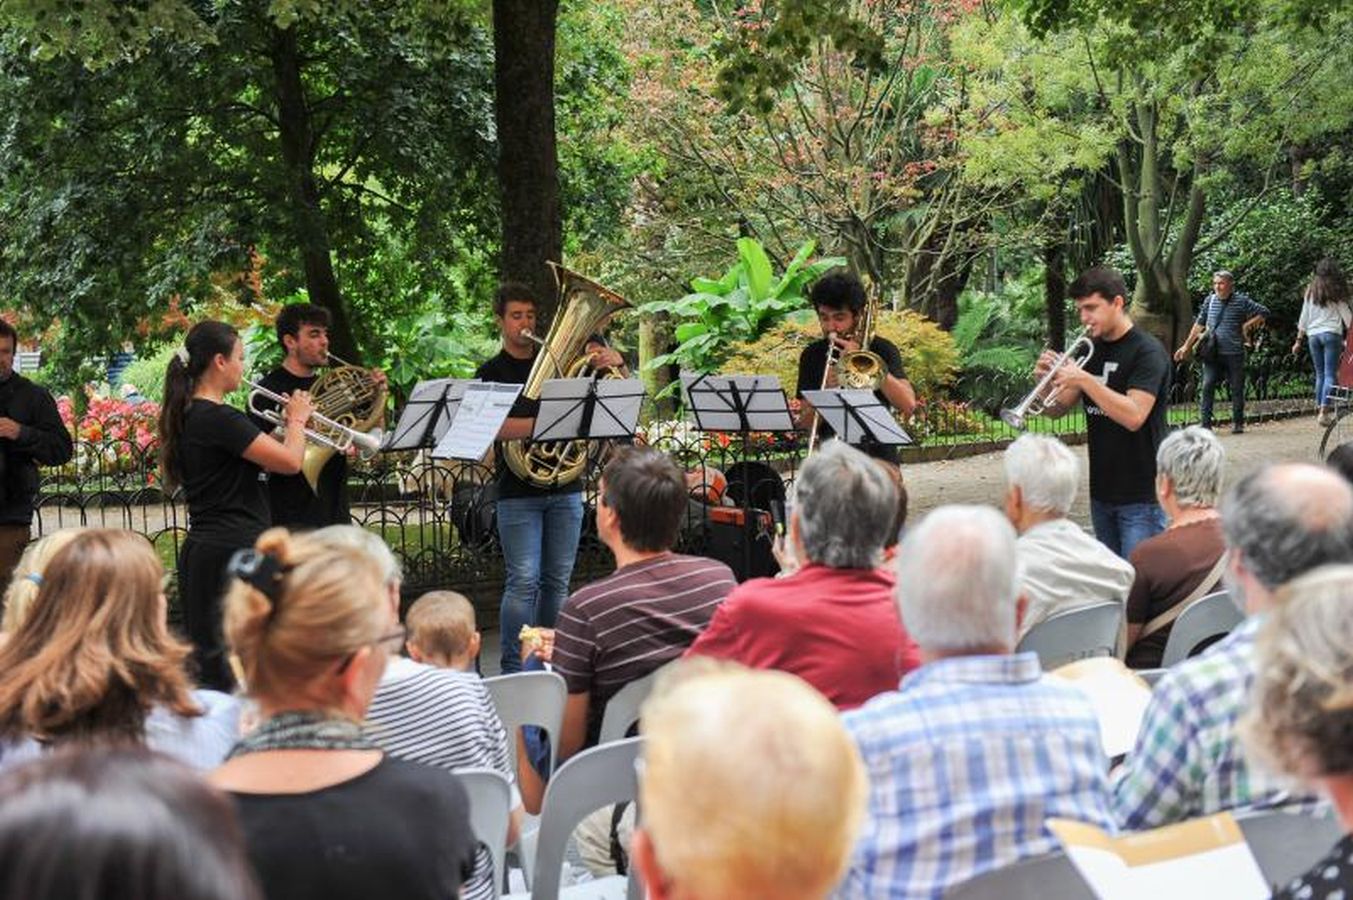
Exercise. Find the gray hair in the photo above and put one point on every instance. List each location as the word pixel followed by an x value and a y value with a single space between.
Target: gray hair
pixel 356 538
pixel 1301 706
pixel 1195 462
pixel 1046 472
pixel 1224 273
pixel 1289 519
pixel 845 504
pixel 957 579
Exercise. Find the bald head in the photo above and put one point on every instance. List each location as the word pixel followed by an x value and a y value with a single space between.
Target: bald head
pixel 1289 519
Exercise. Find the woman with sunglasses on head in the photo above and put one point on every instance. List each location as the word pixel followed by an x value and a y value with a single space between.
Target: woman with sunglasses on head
pixel 93 662
pixel 326 814
pixel 219 457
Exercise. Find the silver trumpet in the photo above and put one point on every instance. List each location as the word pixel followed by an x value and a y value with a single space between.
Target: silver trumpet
pixel 1044 393
pixel 326 432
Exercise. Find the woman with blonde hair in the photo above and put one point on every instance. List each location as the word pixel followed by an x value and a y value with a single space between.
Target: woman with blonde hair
pixel 93 661
pixel 23 586
pixel 1301 708
pixel 313 626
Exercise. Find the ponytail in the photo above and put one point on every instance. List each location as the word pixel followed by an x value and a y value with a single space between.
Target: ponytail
pixel 204 342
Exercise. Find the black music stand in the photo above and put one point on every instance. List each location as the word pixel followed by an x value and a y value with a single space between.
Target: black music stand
pixel 484 407
pixel 741 404
pixel 858 417
pixel 588 409
pixel 427 415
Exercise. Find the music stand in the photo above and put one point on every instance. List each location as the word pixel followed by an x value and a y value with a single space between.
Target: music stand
pixel 858 417
pixel 427 415
pixel 484 407
pixel 588 409
pixel 742 404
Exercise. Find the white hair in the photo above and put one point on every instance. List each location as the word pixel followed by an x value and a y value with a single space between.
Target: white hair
pixel 1046 472
pixel 957 579
pixel 845 504
pixel 366 541
pixel 1194 461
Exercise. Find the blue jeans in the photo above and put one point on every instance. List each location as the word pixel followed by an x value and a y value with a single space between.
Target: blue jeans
pixel 1122 526
pixel 540 541
pixel 1325 351
pixel 1232 365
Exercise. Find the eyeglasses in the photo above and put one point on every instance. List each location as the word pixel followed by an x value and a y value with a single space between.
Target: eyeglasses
pixel 390 643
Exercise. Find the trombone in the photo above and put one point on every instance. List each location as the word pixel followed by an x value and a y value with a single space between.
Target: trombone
pixel 1044 394
pixel 329 433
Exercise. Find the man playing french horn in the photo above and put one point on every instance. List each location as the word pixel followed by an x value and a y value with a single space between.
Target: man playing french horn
pixel 840 302
pixel 303 332
pixel 538 526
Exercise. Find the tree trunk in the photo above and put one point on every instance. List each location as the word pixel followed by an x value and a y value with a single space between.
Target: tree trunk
pixel 298 155
pixel 528 167
pixel 655 339
pixel 1054 292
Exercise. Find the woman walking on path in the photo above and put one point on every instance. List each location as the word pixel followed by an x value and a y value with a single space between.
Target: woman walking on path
pixel 1324 318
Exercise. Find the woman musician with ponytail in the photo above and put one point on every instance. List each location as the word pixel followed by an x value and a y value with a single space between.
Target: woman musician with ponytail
pixel 220 458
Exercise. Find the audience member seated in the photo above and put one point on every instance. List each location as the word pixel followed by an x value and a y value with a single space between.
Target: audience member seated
pixel 326 813
pixel 833 622
pixel 23 586
pixel 977 748
pixel 1280 522
pixel 1183 563
pixel 442 631
pixel 93 661
pixel 1301 708
pixel 1340 459
pixel 1063 568
pixel 117 824
pixel 749 786
pixel 647 611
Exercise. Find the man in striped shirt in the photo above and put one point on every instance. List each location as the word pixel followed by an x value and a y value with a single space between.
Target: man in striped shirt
pixel 649 610
pixel 977 748
pixel 1230 316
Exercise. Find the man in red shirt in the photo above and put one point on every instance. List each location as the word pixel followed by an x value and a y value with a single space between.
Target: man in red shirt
pixel 834 622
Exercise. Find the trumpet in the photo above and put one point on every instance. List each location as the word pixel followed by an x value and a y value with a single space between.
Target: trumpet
pixel 1044 393
pixel 326 433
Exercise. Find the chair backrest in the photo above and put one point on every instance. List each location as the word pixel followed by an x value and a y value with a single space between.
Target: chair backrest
pixel 1150 676
pixel 490 809
pixel 1051 877
pixel 530 698
pixel 601 776
pixel 1076 634
pixel 1288 844
pixel 1207 617
pixel 622 710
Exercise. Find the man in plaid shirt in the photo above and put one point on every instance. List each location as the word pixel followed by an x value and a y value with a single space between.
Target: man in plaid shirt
pixel 977 748
pixel 1280 522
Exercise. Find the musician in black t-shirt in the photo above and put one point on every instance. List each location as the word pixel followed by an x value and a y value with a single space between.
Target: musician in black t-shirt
pixel 219 457
pixel 303 332
pixel 839 299
pixel 538 527
pixel 1124 388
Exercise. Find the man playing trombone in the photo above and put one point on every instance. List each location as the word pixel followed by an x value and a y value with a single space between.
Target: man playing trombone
pixel 1123 387
pixel 303 332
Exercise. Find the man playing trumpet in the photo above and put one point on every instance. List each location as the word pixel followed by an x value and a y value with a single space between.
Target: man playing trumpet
pixel 1123 387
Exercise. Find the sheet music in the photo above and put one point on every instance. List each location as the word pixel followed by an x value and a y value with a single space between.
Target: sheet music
pixel 426 401
pixel 483 410
pixel 710 402
pixel 563 400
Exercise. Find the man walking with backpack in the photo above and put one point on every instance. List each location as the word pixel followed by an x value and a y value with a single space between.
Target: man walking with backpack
pixel 1225 317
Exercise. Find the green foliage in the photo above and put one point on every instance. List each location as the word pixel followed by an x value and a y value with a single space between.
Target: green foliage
pixel 146 372
pixel 737 308
pixel 428 342
pixel 929 354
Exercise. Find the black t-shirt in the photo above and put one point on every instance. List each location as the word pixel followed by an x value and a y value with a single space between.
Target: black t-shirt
pixel 1123 462
pixel 227 494
pixel 812 366
pixel 399 830
pixel 294 504
pixel 508 369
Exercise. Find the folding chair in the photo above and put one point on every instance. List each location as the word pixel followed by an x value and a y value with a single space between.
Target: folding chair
pixel 1287 844
pixel 596 778
pixel 1050 877
pixel 1076 634
pixel 530 698
pixel 1208 617
pixel 622 710
pixel 490 810
pixel 1150 676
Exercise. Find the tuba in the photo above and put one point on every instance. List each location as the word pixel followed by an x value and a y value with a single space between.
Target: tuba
pixel 584 309
pixel 863 369
pixel 349 397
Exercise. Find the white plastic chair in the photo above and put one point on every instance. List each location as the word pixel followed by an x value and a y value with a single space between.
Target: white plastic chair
pixel 490 812
pixel 1050 877
pixel 600 777
pixel 622 710
pixel 1080 633
pixel 1287 844
pixel 530 698
pixel 1207 617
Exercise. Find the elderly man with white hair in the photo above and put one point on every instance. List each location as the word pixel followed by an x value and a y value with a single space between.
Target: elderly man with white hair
pixel 1062 567
pixel 1183 563
pixel 977 749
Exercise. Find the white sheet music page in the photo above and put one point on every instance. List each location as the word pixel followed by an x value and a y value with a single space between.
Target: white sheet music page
pixel 483 410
